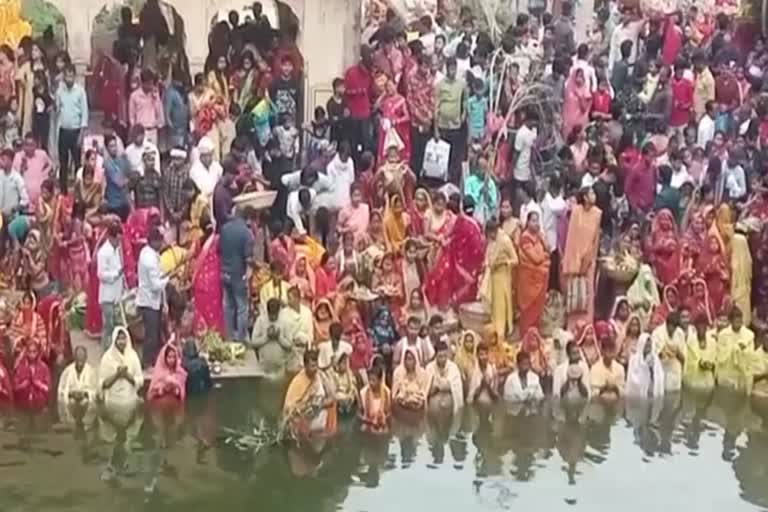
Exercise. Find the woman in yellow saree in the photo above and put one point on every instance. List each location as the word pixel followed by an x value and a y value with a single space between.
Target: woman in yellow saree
pixel 309 409
pixel 700 357
pixel 741 276
pixel 500 353
pixel 465 354
pixel 724 224
pixel 496 282
pixel 409 383
pixel 396 222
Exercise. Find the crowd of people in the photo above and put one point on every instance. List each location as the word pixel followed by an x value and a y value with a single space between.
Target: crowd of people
pixel 609 241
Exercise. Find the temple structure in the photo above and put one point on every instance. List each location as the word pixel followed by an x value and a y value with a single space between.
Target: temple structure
pixel 328 37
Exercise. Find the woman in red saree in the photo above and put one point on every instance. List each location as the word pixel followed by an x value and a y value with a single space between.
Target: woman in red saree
pixel 31 380
pixel 168 385
pixel 453 279
pixel 282 248
pixel 419 212
pixel 326 277
pixel 395 123
pixel 58 259
pixel 111 92
pixel 664 247
pixel 693 242
pixel 206 288
pixel 577 102
pixel 715 272
pixel 699 303
pixel 362 347
pixel 28 327
pixel 53 313
pixel 673 40
pixel 532 274
pixel 580 259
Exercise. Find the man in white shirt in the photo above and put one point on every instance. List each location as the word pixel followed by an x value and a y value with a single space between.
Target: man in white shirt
pixel 134 153
pixel 524 141
pixel 553 209
pixel 734 178
pixel 109 270
pixel 706 130
pixel 529 204
pixel 340 173
pixel 149 296
pixel 680 175
pixel 205 172
pixel 299 208
pixel 629 30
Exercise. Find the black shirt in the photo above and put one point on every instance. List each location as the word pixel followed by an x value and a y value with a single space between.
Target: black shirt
pixel 236 244
pixel 285 96
pixel 335 111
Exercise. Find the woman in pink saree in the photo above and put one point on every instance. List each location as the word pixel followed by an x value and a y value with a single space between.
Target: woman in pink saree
pixel 580 259
pixel 453 279
pixel 577 102
pixel 395 123
pixel 716 273
pixel 169 380
pixel 206 288
pixel 31 380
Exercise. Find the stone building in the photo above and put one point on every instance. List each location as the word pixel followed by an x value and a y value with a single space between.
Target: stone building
pixel 328 34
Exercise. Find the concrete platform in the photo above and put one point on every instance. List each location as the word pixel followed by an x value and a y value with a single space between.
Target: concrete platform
pixel 247 368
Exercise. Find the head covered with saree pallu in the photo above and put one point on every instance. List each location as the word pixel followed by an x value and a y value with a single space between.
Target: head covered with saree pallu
pixel 665 247
pixel 643 294
pixel 324 315
pixel 115 358
pixel 303 276
pixel 409 387
pixel 168 374
pixel 587 342
pixel 31 379
pixel 303 408
pixel 500 354
pixel 395 222
pixel 422 205
pixel 670 302
pixel 29 326
pixel 533 345
pixel 383 330
pixel 466 352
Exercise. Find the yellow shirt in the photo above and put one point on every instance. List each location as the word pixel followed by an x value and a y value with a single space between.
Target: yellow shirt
pixel 666 347
pixel 737 360
pixel 695 377
pixel 601 376
pixel 270 290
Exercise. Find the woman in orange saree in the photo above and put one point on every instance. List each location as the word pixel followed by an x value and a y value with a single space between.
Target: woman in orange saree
pixel 533 345
pixel 28 327
pixel 532 274
pixel 309 408
pixel 580 259
pixel 715 270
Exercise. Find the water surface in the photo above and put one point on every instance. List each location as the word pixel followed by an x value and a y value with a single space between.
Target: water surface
pixel 686 453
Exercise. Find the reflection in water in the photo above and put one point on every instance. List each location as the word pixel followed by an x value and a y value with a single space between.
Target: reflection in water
pixel 488 458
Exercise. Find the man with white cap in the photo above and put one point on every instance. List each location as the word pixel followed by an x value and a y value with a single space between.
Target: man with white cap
pixel 205 172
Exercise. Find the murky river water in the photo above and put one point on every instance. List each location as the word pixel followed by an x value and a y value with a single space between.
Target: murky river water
pixel 687 453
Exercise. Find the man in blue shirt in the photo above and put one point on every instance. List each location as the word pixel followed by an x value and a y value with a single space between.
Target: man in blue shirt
pixel 236 244
pixel 176 114
pixel 116 193
pixel 72 107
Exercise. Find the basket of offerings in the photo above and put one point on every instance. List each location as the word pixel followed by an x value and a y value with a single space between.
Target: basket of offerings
pixel 620 268
pixel 260 200
pixel 474 316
